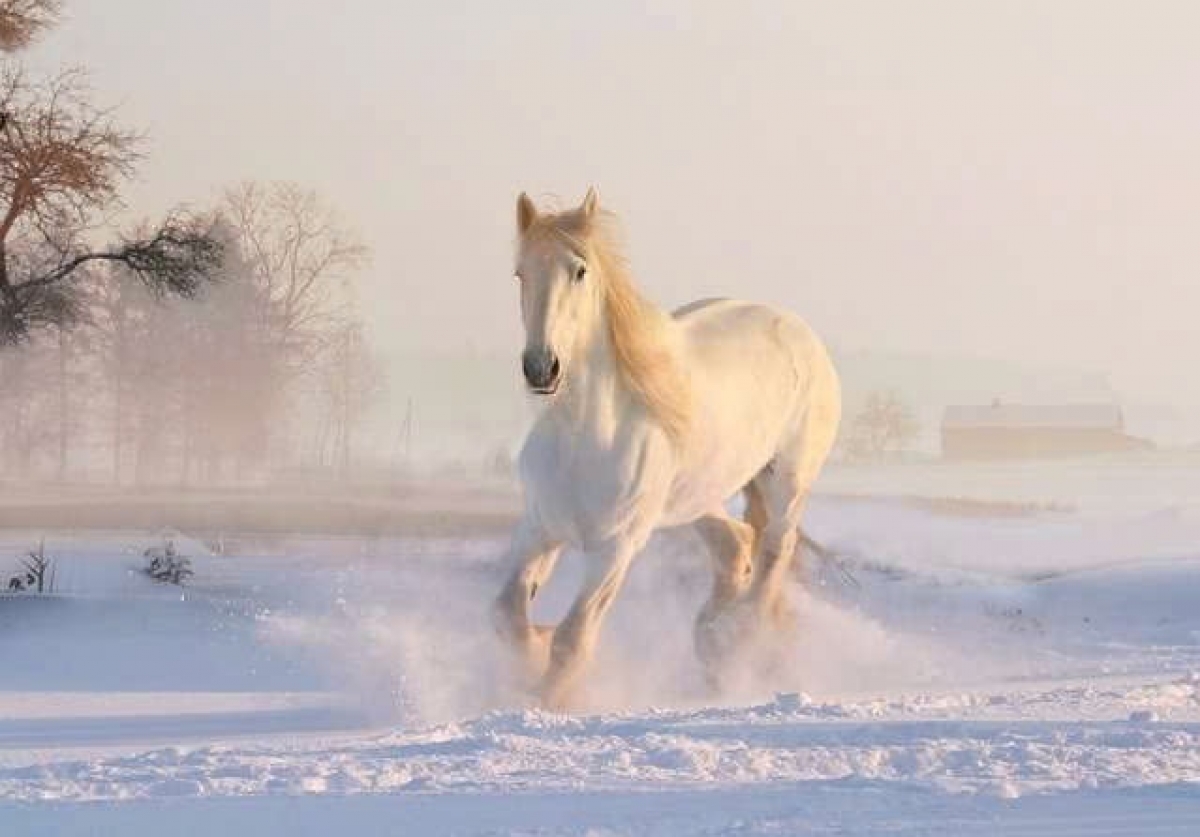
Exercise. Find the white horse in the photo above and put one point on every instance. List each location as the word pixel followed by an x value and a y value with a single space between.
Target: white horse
pixel 653 420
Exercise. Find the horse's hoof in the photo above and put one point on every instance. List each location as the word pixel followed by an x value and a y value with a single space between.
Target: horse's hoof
pixel 720 636
pixel 715 680
pixel 535 652
pixel 556 698
pixel 528 653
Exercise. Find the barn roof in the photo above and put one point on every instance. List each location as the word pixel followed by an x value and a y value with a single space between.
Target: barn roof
pixel 1075 416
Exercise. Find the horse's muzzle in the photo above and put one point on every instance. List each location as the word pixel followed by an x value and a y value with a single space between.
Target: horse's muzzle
pixel 542 370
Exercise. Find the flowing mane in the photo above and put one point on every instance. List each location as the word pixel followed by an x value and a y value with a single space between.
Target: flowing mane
pixel 640 334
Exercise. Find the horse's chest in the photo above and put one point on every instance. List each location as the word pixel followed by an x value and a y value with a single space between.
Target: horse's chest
pixel 586 493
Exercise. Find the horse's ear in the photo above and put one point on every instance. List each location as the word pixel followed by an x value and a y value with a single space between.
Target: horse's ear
pixel 591 202
pixel 526 213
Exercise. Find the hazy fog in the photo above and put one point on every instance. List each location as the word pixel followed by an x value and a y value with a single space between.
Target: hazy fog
pixel 1011 180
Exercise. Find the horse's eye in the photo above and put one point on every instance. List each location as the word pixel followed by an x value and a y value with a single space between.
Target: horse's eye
pixel 580 272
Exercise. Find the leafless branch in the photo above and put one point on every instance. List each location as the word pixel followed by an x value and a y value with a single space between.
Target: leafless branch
pixel 301 256
pixel 176 258
pixel 22 21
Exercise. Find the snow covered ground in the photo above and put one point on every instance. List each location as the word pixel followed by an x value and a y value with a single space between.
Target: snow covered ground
pixel 1028 675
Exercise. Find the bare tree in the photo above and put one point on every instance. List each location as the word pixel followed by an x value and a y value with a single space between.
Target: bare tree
pixel 71 346
pixel 884 424
pixel 26 411
pixel 201 390
pixel 302 257
pixel 22 21
pixel 230 372
pixel 112 315
pixel 62 162
pixel 351 379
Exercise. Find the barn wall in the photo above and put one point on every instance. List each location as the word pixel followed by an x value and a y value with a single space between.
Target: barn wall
pixel 1029 442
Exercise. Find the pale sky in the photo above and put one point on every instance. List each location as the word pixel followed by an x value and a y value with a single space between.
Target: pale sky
pixel 1018 180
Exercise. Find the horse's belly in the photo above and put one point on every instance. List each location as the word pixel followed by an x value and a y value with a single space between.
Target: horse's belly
pixel 688 508
pixel 700 489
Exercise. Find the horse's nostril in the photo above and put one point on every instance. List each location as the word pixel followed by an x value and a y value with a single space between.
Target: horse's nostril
pixel 541 368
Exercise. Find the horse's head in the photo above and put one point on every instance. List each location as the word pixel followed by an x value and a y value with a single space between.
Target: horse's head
pixel 560 302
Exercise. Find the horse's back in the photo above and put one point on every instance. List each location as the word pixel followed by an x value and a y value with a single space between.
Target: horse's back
pixel 741 327
pixel 694 306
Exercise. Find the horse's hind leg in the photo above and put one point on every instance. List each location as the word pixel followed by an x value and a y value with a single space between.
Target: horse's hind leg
pixel 785 496
pixel 730 542
pixel 784 487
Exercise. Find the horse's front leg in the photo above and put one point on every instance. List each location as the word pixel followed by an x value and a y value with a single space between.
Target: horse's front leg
pixel 532 557
pixel 575 638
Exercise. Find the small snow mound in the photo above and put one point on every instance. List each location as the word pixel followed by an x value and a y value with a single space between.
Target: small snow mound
pixel 792 701
pixel 524 722
pixel 1003 790
pixel 175 788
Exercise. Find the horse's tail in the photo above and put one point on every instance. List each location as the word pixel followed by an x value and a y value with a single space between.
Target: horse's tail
pixel 833 559
pixel 756 516
pixel 820 550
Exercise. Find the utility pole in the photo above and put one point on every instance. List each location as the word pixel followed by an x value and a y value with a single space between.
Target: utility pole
pixel 408 416
pixel 403 446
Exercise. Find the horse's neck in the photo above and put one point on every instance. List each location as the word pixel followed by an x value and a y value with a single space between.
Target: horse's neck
pixel 596 398
pixel 598 401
